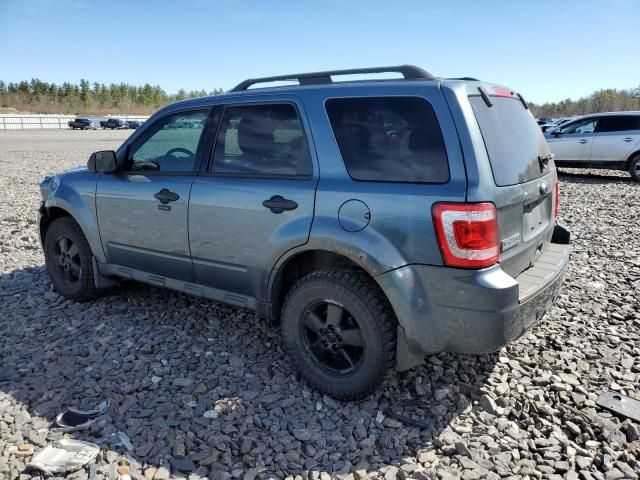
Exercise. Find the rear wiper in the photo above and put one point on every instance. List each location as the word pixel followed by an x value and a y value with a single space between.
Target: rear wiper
pixel 543 160
pixel 485 97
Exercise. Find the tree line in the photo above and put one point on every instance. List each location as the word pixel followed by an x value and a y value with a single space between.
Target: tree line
pixel 88 98
pixel 607 100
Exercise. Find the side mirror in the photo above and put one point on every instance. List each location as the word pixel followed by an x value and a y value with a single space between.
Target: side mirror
pixel 555 132
pixel 103 162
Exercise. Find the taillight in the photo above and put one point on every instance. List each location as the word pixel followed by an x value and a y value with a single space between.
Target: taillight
pixel 556 199
pixel 467 233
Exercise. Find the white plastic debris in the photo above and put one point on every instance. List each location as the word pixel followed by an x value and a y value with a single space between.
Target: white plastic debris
pixel 64 455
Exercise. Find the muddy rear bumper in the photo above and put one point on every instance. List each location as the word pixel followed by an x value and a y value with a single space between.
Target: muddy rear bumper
pixel 442 309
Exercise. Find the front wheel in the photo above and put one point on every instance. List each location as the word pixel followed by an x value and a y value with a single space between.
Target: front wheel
pixel 69 260
pixel 339 333
pixel 634 168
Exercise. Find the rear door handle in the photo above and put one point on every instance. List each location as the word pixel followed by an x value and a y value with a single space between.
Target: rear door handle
pixel 165 196
pixel 278 204
pixel 627 139
pixel 584 140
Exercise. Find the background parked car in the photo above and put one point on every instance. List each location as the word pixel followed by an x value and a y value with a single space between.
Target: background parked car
pixel 544 120
pixel 82 124
pixel 601 140
pixel 134 123
pixel 555 124
pixel 114 123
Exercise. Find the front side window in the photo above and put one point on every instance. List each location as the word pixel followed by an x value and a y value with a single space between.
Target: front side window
pixel 258 140
pixel 619 123
pixel 170 145
pixel 389 139
pixel 580 127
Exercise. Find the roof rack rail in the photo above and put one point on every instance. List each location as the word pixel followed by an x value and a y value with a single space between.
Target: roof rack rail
pixel 471 79
pixel 410 72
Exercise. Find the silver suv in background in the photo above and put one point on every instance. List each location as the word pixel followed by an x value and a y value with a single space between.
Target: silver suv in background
pixel 602 140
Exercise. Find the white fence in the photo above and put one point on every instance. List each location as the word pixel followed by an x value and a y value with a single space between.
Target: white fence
pixel 23 122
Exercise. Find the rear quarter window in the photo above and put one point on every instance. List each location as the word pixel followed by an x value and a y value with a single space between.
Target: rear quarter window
pixel 389 139
pixel 512 138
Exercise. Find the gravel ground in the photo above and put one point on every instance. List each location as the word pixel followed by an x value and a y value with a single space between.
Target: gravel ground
pixel 204 390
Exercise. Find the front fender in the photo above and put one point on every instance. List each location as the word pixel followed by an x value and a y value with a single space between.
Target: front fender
pixel 75 194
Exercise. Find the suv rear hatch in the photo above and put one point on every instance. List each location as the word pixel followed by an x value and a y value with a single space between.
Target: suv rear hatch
pixel 523 172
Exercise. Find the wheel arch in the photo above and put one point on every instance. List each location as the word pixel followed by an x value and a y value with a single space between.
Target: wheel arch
pixel 301 263
pixel 57 207
pixel 630 158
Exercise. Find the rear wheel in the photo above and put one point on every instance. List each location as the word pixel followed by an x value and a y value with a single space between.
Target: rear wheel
pixel 339 333
pixel 634 168
pixel 69 260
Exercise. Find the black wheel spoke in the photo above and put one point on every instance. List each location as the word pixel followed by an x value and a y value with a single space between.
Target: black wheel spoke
pixel 73 250
pixel 64 244
pixel 75 268
pixel 313 322
pixel 352 336
pixel 334 314
pixel 347 357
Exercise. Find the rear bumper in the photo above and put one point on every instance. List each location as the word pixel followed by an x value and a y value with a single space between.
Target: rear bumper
pixel 471 311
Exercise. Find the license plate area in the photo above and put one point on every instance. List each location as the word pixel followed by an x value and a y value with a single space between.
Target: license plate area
pixel 536 217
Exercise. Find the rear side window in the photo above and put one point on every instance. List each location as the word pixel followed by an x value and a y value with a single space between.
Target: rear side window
pixel 259 140
pixel 619 123
pixel 389 139
pixel 513 140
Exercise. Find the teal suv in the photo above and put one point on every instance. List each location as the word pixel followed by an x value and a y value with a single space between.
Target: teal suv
pixel 378 220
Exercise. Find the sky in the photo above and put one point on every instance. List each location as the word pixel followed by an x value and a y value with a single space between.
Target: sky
pixel 547 50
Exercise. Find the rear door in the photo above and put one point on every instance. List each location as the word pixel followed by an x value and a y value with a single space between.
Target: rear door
pixel 572 143
pixel 523 180
pixel 256 199
pixel 616 138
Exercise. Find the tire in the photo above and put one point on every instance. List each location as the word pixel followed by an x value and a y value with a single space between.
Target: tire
pixel 634 168
pixel 339 333
pixel 68 259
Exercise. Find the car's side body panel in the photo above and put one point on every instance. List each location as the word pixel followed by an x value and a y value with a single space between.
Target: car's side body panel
pixel 235 239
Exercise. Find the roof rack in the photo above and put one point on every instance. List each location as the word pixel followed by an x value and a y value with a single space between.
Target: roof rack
pixel 410 72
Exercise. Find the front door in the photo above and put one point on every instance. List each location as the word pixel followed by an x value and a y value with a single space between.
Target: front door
pixel 572 143
pixel 143 210
pixel 256 200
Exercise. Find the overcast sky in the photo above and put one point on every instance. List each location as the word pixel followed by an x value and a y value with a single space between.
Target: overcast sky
pixel 547 50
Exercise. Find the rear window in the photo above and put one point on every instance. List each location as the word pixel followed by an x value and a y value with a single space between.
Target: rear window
pixel 512 138
pixel 389 139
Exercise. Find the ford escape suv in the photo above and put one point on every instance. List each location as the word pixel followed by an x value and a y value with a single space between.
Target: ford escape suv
pixel 377 220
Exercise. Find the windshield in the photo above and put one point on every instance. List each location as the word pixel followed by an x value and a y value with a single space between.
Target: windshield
pixel 513 140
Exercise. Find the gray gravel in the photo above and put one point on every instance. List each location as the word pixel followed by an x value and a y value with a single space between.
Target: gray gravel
pixel 204 390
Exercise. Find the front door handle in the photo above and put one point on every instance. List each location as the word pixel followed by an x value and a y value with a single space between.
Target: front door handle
pixel 165 196
pixel 278 204
pixel 584 140
pixel 627 139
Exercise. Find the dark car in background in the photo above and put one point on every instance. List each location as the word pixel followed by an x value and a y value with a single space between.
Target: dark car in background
pixel 134 123
pixel 114 123
pixel 82 124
